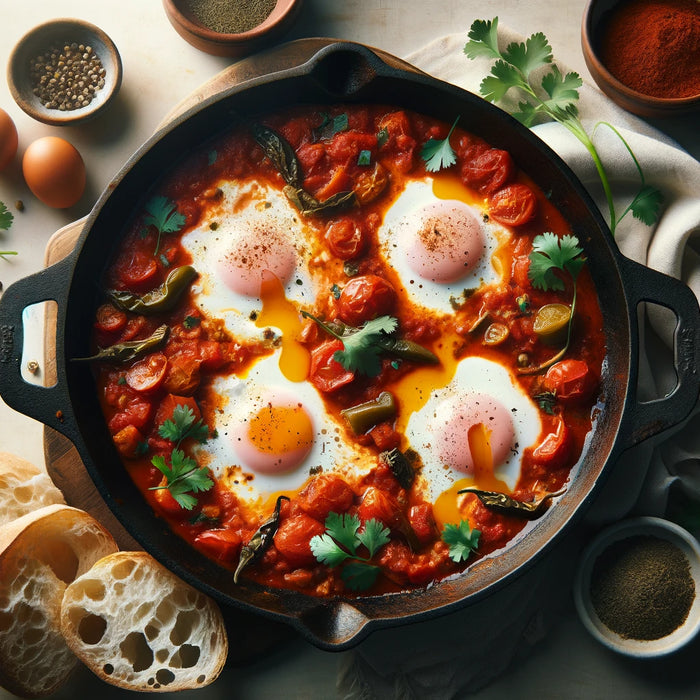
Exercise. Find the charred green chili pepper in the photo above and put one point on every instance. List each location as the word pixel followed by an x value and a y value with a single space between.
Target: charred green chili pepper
pixel 511 506
pixel 163 298
pixel 260 541
pixel 366 415
pixel 130 349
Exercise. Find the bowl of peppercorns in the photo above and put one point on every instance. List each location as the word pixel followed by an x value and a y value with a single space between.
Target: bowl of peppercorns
pixel 645 54
pixel 64 71
pixel 637 587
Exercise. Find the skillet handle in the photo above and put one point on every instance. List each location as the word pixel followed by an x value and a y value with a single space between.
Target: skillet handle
pixel 50 405
pixel 645 419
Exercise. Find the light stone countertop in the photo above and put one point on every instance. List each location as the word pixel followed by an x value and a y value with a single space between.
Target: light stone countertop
pixel 160 70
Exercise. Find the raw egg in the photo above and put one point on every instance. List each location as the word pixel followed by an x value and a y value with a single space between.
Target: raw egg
pixel 8 139
pixel 54 171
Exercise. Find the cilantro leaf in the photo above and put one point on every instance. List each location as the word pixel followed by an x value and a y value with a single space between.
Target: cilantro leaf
pixel 360 351
pixel 6 217
pixel 437 153
pixel 647 205
pixel 359 576
pixel 343 528
pixel 552 253
pixel 327 551
pixel 503 77
pixel 533 54
pixel 183 475
pixel 483 36
pixel 373 536
pixel 562 89
pixel 163 215
pixel 461 539
pixel 182 425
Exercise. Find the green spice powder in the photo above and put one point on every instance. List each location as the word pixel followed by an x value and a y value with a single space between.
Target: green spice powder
pixel 231 16
pixel 642 587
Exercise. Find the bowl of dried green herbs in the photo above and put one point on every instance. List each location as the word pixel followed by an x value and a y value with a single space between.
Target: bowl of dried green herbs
pixel 637 587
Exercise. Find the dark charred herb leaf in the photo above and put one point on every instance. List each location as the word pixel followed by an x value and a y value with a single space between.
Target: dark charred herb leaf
pixel 400 467
pixel 546 401
pixel 163 298
pixel 260 541
pixel 308 205
pixel 130 349
pixel 510 506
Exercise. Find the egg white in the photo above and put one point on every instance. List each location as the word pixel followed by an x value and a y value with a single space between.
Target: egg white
pixel 402 218
pixel 473 375
pixel 245 210
pixel 240 397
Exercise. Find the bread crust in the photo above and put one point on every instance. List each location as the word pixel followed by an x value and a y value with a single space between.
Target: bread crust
pixel 40 553
pixel 139 627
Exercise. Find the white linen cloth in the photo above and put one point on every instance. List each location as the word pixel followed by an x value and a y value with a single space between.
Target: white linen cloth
pixel 457 654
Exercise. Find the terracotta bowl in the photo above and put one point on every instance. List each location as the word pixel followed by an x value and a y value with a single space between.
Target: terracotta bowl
pixel 51 34
pixel 644 526
pixel 595 17
pixel 192 30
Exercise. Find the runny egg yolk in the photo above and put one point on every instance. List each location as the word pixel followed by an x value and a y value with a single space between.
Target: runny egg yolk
pixel 276 439
pixel 279 312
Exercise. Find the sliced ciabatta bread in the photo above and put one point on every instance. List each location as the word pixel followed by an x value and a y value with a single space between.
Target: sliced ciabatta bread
pixel 40 553
pixel 138 626
pixel 23 488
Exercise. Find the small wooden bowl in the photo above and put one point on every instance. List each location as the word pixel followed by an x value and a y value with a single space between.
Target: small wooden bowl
pixel 58 33
pixel 644 526
pixel 595 18
pixel 194 32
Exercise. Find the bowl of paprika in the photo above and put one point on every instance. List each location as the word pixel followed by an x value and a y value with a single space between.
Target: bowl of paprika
pixel 645 54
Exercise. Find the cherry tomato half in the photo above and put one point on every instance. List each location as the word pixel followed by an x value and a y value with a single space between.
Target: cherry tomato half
pixel 147 374
pixel 293 537
pixel 325 373
pixel 571 381
pixel 365 297
pixel 513 205
pixel 554 450
pixel 489 170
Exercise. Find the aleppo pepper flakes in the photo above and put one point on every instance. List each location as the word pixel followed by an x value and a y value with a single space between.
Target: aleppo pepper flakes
pixel 642 587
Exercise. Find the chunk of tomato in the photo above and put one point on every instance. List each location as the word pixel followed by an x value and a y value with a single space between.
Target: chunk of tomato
pixel 326 493
pixel 378 505
pixel 365 297
pixel 221 544
pixel 293 537
pixel 326 373
pixel 513 205
pixel 147 374
pixel 346 239
pixel 571 381
pixel 488 171
pixel 555 449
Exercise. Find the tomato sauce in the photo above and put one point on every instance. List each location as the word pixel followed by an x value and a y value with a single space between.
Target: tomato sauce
pixel 370 151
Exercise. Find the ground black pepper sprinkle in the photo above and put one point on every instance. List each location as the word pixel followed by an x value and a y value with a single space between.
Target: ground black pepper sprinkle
pixel 67 76
pixel 231 16
pixel 642 587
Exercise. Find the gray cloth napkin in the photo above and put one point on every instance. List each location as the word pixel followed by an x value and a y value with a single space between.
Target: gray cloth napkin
pixel 459 653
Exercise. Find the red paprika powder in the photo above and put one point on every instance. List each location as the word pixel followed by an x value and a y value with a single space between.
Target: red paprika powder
pixel 653 46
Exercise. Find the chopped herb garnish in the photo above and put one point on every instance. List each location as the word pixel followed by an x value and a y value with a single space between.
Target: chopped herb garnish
pixel 163 215
pixel 191 322
pixel 335 291
pixel 6 217
pixel 382 136
pixel 556 99
pixel 340 542
pixel 184 476
pixel 364 158
pixel 438 154
pixel 461 539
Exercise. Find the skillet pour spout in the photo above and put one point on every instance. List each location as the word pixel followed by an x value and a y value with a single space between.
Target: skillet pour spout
pixel 324 72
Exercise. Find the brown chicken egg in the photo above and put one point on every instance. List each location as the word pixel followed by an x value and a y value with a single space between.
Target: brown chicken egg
pixel 8 139
pixel 54 171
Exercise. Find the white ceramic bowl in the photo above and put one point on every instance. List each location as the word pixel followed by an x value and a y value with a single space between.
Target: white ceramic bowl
pixel 656 527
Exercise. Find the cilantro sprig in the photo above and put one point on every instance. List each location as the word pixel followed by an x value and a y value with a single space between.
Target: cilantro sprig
pixel 461 539
pixel 183 475
pixel 438 153
pixel 163 215
pixel 554 98
pixel 340 542
pixel 6 220
pixel 551 255
pixel 363 347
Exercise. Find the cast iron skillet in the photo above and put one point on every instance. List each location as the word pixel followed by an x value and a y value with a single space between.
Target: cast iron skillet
pixel 344 72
